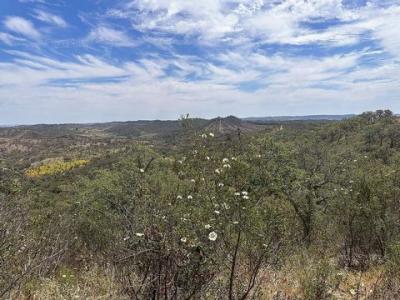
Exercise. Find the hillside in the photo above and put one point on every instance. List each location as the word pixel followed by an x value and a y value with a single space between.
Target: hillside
pixel 300 118
pixel 309 211
pixel 130 129
pixel 231 124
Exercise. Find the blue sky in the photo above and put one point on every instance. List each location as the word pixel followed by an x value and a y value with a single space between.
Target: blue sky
pixel 103 60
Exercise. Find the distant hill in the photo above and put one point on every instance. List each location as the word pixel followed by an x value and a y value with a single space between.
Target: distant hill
pixel 231 124
pixel 301 118
pixel 152 128
pixel 130 129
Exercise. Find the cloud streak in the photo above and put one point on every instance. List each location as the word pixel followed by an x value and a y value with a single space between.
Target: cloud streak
pixel 107 35
pixel 157 59
pixel 50 18
pixel 22 26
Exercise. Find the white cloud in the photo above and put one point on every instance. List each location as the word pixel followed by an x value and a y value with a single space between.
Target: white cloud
pixel 32 1
pixel 338 80
pixel 288 85
pixel 32 70
pixel 216 19
pixel 50 18
pixel 106 35
pixel 385 27
pixel 9 39
pixel 268 21
pixel 22 26
pixel 207 18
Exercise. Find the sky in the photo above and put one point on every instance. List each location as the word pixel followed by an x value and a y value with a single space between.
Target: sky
pixel 65 61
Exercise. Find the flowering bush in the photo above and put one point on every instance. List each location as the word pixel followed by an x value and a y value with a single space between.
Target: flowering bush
pixel 186 221
pixel 55 167
pixel 213 217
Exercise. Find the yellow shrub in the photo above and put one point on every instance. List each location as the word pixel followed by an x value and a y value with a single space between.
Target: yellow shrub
pixel 55 167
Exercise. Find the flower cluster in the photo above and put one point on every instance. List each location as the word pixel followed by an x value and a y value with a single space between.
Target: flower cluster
pixel 55 167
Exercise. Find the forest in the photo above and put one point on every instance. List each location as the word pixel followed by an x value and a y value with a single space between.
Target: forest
pixel 197 209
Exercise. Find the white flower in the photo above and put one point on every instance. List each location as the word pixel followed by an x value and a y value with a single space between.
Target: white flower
pixel 233 158
pixel 227 166
pixel 204 136
pixel 265 245
pixel 220 184
pixel 237 194
pixel 225 160
pixel 183 240
pixel 141 170
pixel 190 197
pixel 217 212
pixel 245 193
pixel 259 156
pixel 212 236
pixel 207 226
pixel 217 171
pixel 235 222
pixel 192 180
pixel 207 157
pixel 355 160
pixel 179 197
pixel 211 134
pixel 180 161
pixel 245 197
pixel 126 238
pixel 139 234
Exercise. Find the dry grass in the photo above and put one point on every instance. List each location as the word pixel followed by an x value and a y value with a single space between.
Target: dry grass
pixel 288 283
pixel 284 284
pixel 94 284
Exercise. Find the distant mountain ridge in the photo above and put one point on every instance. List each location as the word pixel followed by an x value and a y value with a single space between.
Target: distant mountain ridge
pixel 201 120
pixel 301 118
pixel 231 124
pixel 141 128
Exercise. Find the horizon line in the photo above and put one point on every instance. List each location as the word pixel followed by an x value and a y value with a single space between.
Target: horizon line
pixel 177 119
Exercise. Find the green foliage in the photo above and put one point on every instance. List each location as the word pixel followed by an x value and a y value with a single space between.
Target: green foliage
pixel 319 280
pixel 206 215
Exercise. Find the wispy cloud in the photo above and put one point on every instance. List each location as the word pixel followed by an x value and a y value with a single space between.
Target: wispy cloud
pixel 22 26
pixel 107 35
pixel 32 1
pixel 137 84
pixel 158 58
pixel 50 18
pixel 281 22
pixel 9 39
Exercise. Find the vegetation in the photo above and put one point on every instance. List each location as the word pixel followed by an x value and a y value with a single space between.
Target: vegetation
pixel 55 167
pixel 294 210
